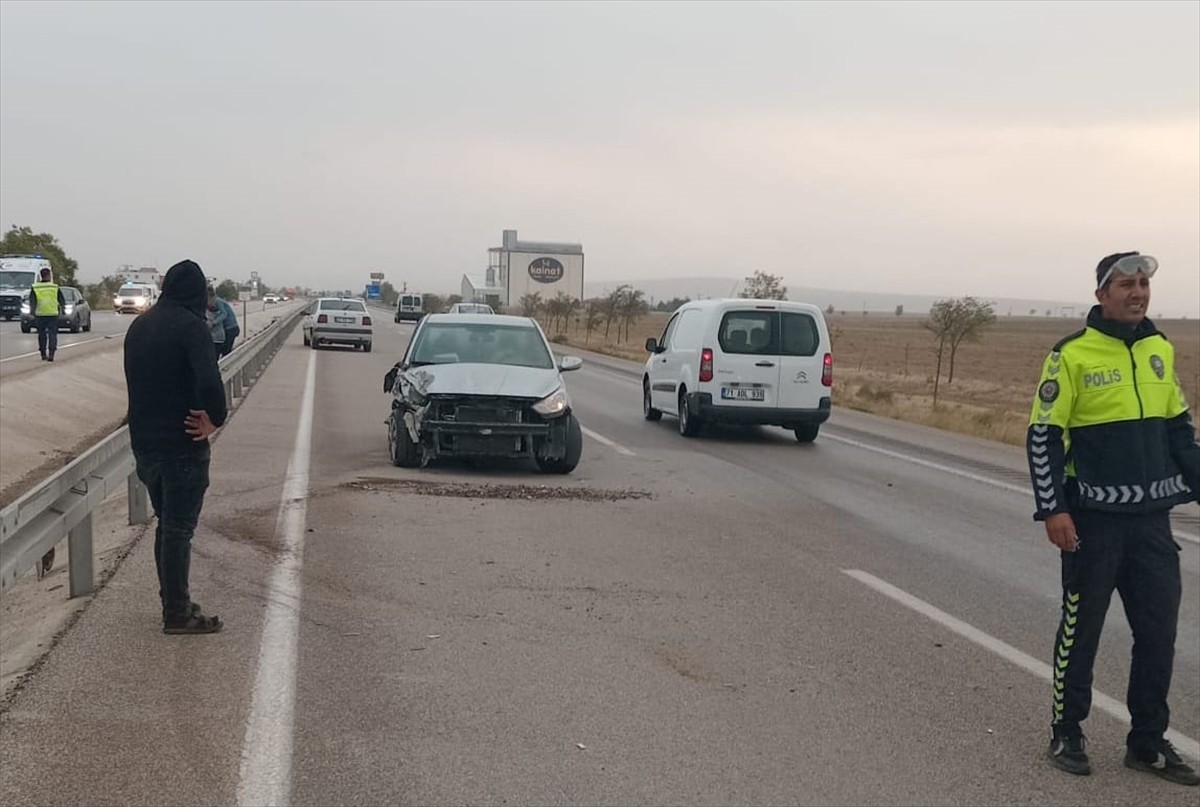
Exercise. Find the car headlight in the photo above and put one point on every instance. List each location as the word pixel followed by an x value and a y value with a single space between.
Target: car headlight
pixel 554 404
pixel 24 308
pixel 140 302
pixel 69 308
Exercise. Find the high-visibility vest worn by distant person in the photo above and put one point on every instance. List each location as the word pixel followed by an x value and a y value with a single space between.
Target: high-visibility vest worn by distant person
pixel 46 295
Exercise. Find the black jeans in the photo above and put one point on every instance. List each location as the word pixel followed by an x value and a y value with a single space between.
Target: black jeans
pixel 47 328
pixel 1136 555
pixel 177 483
pixel 226 347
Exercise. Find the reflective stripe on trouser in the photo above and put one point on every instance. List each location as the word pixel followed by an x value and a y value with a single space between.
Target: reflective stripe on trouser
pixel 1135 555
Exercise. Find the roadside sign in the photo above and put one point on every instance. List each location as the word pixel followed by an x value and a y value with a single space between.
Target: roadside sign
pixel 377 275
pixel 373 292
pixel 245 295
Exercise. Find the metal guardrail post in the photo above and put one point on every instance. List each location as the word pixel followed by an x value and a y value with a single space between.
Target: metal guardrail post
pixel 139 501
pixel 80 560
pixel 236 385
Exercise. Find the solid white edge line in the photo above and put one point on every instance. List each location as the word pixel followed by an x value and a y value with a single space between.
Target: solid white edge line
pixel 1186 745
pixel 620 449
pixel 1187 536
pixel 64 347
pixel 266 767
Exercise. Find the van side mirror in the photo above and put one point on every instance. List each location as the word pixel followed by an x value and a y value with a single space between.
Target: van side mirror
pixel 652 345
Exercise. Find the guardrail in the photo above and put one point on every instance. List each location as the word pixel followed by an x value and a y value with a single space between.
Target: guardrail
pixel 63 504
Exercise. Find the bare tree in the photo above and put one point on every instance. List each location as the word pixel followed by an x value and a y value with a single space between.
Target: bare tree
pixel 940 323
pixel 531 304
pixel 632 306
pixel 971 316
pixel 593 315
pixel 762 286
pixel 612 307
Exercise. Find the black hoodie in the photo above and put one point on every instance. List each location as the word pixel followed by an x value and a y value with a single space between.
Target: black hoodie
pixel 171 366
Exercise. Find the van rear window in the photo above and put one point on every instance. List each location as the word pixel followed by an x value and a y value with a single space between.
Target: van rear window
pixel 769 333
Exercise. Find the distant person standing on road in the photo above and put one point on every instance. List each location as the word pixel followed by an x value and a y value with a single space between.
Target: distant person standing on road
pixel 1111 450
pixel 46 302
pixel 217 320
pixel 231 326
pixel 176 401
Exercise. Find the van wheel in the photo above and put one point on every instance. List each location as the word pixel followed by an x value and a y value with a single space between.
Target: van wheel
pixel 648 411
pixel 401 448
pixel 807 432
pixel 689 423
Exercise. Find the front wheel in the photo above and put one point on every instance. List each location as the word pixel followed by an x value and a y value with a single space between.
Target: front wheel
pixel 24 328
pixel 566 463
pixel 807 432
pixel 401 448
pixel 88 327
pixel 648 411
pixel 75 328
pixel 366 347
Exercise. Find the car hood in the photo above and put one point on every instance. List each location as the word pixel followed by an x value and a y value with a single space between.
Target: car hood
pixel 484 379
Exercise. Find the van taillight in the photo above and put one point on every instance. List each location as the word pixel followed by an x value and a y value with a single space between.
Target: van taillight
pixel 322 319
pixel 366 320
pixel 827 370
pixel 706 364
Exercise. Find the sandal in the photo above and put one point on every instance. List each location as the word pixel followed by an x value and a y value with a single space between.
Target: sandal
pixel 193 622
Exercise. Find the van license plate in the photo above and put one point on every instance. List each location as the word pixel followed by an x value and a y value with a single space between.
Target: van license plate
pixel 739 394
pixel 344 319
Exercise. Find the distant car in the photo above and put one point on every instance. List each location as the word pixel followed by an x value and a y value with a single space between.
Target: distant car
pixel 337 321
pixel 76 315
pixel 270 298
pixel 134 298
pixel 482 385
pixel 470 308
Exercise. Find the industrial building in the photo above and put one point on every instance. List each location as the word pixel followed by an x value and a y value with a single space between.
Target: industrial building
pixel 517 268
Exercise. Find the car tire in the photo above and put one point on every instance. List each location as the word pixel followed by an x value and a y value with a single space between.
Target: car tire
pixel 304 336
pixel 401 448
pixel 75 327
pixel 366 347
pixel 689 422
pixel 570 458
pixel 24 328
pixel 648 411
pixel 807 432
pixel 88 327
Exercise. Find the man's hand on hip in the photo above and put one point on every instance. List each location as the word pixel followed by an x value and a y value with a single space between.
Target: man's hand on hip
pixel 198 425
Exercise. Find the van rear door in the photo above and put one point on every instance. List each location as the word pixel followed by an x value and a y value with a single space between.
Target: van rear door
pixel 801 360
pixel 746 361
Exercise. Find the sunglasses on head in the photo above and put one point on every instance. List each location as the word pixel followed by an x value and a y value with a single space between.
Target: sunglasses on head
pixel 1129 266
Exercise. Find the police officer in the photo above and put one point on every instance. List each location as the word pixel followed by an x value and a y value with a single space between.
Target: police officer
pixel 46 304
pixel 1111 450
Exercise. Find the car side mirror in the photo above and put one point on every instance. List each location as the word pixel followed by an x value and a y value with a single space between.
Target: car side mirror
pixel 389 380
pixel 569 363
pixel 652 345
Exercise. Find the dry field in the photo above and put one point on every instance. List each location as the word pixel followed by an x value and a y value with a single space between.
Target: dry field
pixel 884 364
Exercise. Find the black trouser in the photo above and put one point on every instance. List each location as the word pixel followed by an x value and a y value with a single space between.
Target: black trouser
pixel 226 347
pixel 177 483
pixel 1136 555
pixel 47 328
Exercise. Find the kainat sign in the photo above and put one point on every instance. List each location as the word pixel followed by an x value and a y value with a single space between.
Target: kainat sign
pixel 546 270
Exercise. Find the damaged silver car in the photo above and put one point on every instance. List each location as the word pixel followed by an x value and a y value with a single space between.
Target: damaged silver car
pixel 482 385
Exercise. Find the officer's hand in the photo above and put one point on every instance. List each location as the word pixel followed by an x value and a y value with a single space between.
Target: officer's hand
pixel 198 425
pixel 1060 529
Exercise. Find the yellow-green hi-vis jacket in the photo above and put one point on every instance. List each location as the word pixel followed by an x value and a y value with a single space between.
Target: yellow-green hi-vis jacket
pixel 1110 428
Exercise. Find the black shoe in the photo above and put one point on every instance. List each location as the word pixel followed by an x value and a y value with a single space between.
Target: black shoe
pixel 192 621
pixel 43 357
pixel 49 358
pixel 1161 759
pixel 1066 753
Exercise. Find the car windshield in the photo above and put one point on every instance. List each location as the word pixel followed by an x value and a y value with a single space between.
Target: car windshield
pixel 342 305
pixel 18 280
pixel 132 292
pixel 485 343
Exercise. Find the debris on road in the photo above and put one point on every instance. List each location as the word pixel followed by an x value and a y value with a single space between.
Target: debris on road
pixel 469 490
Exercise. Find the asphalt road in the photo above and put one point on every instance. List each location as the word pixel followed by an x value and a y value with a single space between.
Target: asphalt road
pixel 730 619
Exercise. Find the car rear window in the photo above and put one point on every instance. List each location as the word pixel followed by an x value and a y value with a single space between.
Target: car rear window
pixel 769 333
pixel 342 305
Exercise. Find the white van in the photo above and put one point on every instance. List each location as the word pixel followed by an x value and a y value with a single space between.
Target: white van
pixel 134 298
pixel 765 362
pixel 409 306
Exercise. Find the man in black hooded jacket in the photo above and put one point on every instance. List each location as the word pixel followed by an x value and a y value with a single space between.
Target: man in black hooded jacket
pixel 176 400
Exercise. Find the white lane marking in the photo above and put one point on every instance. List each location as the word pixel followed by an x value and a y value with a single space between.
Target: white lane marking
pixel 1186 745
pixel 937 466
pixel 599 438
pixel 64 347
pixel 266 769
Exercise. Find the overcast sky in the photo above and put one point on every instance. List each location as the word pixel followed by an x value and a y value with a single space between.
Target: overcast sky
pixel 994 149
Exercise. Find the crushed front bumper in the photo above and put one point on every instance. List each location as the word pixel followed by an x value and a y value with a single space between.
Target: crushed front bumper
pixel 464 426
